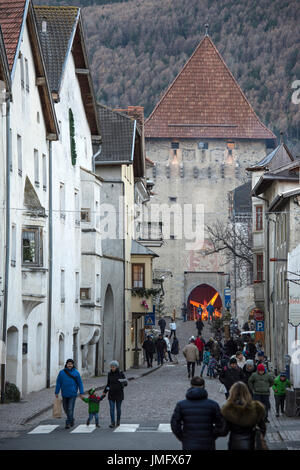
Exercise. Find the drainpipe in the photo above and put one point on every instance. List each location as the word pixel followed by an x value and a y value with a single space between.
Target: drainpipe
pixel 7 236
pixel 50 269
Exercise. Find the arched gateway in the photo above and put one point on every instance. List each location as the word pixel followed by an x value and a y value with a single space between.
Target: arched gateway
pixel 203 295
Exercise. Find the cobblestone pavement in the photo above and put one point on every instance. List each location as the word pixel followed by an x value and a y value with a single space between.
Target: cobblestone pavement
pixel 150 397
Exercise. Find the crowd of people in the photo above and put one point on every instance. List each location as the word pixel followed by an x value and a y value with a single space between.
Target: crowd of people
pixel 242 369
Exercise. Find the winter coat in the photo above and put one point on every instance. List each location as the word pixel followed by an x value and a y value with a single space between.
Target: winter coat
pixel 280 386
pixel 230 376
pixel 191 353
pixel 241 362
pixel 216 350
pixel 175 347
pixel 68 386
pixel 168 344
pixel 247 373
pixel 199 325
pixel 260 384
pixel 161 345
pixel 200 344
pixel 250 351
pixel 231 347
pixel 93 402
pixel 162 323
pixel 241 421
pixel 196 420
pixel 149 346
pixel 172 326
pixel 114 387
pixel 206 357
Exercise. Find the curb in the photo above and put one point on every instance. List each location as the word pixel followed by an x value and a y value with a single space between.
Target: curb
pixel 49 407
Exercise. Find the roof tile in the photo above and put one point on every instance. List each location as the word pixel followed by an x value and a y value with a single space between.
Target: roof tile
pixel 205 101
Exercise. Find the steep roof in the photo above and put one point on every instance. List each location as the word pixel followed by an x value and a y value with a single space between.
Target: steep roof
pixel 277 158
pixel 205 101
pixel 11 20
pixel 61 32
pixel 15 15
pixel 120 140
pixel 4 68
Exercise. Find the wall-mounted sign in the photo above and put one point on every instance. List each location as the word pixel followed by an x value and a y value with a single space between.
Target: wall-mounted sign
pixel 149 320
pixel 260 326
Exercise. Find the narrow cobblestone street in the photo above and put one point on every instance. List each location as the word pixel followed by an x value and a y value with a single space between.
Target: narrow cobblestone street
pixel 149 402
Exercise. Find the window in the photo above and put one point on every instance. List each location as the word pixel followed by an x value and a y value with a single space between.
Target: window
pixel 76 287
pixel 36 169
pixel 98 288
pixel 138 275
pixel 11 157
pixel 44 162
pixel 22 70
pixel 258 217
pixel 230 147
pixel 26 75
pixel 77 211
pixel 19 149
pixel 85 293
pixel 62 286
pixel 32 253
pixel 62 200
pixel 203 145
pixel 85 215
pixel 173 199
pixel 259 267
pixel 13 246
pixel 175 145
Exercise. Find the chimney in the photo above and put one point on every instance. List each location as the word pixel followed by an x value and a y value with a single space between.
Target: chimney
pixel 137 112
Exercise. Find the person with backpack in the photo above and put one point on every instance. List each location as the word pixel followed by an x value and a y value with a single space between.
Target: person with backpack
pixel 68 382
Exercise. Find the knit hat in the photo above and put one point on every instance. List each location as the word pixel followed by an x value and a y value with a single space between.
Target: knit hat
pixel 260 367
pixel 91 391
pixel 282 374
pixel 114 363
pixel 249 362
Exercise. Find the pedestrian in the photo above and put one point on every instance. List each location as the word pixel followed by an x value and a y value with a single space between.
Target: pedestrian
pixel 175 350
pixel 260 383
pixel 212 367
pixel 250 350
pixel 246 326
pixel 149 349
pixel 68 382
pixel 191 353
pixel 199 326
pixel 216 350
pixel 167 341
pixel 241 360
pixel 197 420
pixel 230 347
pixel 210 343
pixel 248 370
pixel 93 401
pixel 162 325
pixel 172 326
pixel 199 342
pixel 231 375
pixel 206 357
pixel 281 383
pixel 184 311
pixel 210 310
pixel 116 381
pixel 161 348
pixel 242 415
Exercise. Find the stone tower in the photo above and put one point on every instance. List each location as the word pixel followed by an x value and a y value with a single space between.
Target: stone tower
pixel 201 136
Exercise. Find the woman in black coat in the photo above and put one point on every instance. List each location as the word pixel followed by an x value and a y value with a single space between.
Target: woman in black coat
pixel 242 415
pixel 116 381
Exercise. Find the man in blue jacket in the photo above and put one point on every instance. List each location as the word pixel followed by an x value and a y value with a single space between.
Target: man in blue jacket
pixel 197 420
pixel 69 381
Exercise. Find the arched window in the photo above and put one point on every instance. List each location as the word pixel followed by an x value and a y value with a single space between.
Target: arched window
pixel 61 350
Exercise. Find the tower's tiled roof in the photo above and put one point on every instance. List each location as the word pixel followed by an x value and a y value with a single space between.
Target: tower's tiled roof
pixel 205 101
pixel 11 18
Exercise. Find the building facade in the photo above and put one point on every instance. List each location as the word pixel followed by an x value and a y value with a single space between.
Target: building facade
pixel 201 136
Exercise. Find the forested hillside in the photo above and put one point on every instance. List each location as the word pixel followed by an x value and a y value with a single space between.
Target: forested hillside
pixel 136 49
